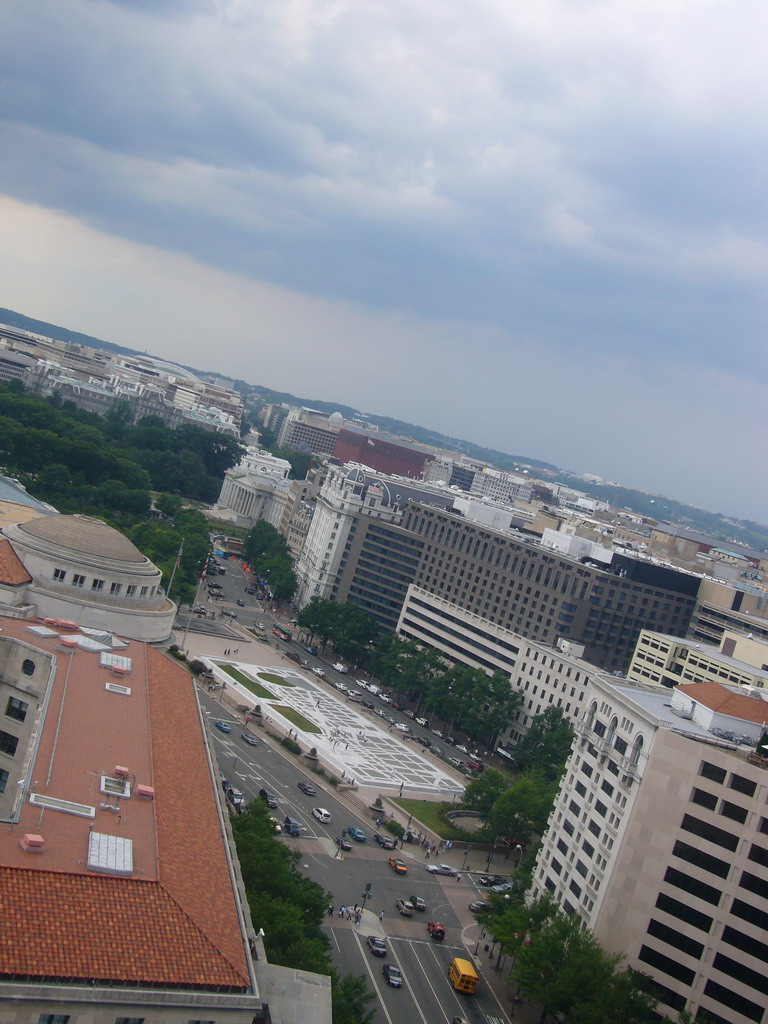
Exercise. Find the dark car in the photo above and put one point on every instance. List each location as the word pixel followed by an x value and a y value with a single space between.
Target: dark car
pixel 489 880
pixel 222 726
pixel 250 740
pixel 269 798
pixel 418 903
pixel 343 843
pixel 307 788
pixel 357 834
pixel 367 704
pixel 376 945
pixel 479 905
pixel 241 603
pixel 424 741
pixel 385 841
pixel 392 975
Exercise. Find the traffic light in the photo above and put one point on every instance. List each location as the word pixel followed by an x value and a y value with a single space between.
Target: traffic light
pixel 367 886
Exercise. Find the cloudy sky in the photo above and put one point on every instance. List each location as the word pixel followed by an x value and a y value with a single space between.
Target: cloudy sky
pixel 539 225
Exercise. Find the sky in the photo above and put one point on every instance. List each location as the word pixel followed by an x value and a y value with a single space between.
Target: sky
pixel 539 226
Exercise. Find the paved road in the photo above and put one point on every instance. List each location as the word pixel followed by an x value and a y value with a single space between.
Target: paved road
pixel 426 995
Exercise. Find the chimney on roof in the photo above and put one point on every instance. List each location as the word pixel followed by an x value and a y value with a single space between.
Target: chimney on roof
pixel 32 843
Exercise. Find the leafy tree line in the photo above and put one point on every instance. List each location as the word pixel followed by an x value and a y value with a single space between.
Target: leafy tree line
pixel 290 908
pixel 350 629
pixel 267 554
pixel 81 462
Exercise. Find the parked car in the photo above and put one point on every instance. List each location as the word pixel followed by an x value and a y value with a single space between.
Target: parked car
pixel 241 602
pixel 490 880
pixel 504 887
pixel 321 814
pixel 384 698
pixel 250 740
pixel 392 975
pixel 222 726
pixel 418 903
pixel 355 696
pixel 276 824
pixel 343 843
pixel 422 721
pixel 404 908
pixel 436 930
pixel 436 732
pixel 440 869
pixel 292 826
pixel 368 704
pixel 269 798
pixel 424 741
pixel 318 671
pixel 376 945
pixel 462 748
pixel 402 727
pixel 230 615
pixel 384 841
pixel 307 788
pixel 408 713
pixel 381 712
pixel 357 834
pixel 398 866
pixel 341 668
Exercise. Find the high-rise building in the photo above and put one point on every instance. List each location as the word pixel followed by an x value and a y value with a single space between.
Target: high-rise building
pixel 382 452
pixel 659 841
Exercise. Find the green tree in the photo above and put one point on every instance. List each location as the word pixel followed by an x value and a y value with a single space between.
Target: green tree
pixel 547 744
pixel 351 997
pixel 483 792
pixel 523 808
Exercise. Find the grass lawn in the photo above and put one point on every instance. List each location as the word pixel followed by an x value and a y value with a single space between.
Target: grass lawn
pixel 426 812
pixel 256 689
pixel 297 718
pixel 272 677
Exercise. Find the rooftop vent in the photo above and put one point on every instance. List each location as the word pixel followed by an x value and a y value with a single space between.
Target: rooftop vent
pixel 124 691
pixel 52 803
pixel 32 843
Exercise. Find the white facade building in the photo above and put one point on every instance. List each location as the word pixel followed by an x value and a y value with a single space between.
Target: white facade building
pixel 659 841
pixel 256 489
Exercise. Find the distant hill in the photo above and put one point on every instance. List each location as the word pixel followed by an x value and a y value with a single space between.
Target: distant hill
pixel 654 506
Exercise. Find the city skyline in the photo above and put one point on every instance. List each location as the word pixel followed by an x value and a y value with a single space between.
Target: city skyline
pixel 541 230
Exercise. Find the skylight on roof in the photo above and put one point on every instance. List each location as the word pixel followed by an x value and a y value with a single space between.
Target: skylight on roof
pixel 124 691
pixel 109 660
pixel 111 855
pixel 42 631
pixel 52 803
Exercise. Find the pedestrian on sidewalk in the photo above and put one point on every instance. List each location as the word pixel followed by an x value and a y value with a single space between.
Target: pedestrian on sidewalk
pixel 330 910
pixel 381 917
pixel 342 908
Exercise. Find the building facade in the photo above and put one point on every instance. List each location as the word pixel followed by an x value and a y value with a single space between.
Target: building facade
pixel 382 452
pixel 659 841
pixel 671 660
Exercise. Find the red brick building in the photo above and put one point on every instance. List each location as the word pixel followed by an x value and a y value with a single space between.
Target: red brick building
pixel 381 452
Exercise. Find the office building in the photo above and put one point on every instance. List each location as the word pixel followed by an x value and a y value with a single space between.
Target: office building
pixel 382 452
pixel 307 430
pixel 739 660
pixel 659 841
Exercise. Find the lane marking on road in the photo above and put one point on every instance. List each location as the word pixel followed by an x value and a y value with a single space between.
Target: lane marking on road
pixel 367 962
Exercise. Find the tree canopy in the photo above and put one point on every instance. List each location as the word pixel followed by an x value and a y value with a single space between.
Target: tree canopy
pixel 547 745
pixel 268 556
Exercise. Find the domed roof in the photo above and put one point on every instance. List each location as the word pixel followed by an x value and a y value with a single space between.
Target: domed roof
pixel 83 535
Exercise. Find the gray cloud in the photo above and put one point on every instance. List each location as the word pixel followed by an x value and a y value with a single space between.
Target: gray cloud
pixel 576 179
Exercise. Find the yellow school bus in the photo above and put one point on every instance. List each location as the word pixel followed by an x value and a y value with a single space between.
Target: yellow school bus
pixel 463 975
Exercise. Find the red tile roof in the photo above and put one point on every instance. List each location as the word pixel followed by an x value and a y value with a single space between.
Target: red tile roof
pixel 12 571
pixel 176 920
pixel 719 698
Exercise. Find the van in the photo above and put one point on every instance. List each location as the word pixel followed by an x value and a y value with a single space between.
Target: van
pixel 462 975
pixel 292 827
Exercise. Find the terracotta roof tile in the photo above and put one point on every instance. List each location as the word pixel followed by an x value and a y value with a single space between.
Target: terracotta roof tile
pixel 719 698
pixel 12 571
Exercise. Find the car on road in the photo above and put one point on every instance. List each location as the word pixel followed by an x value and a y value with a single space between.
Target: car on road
pixel 230 615
pixel 424 741
pixel 436 930
pixel 440 869
pixel 418 903
pixel 259 625
pixel 402 727
pixel 250 740
pixel 269 798
pixel 409 714
pixel 240 602
pixel 422 721
pixel 307 788
pixel 318 671
pixel 459 1020
pixel 384 698
pixel 222 726
pixel 357 834
pixel 479 905
pixel 376 945
pixel 342 686
pixel 404 908
pixel 489 880
pixel 384 841
pixel 504 887
pixel 436 732
pixel 355 696
pixel 321 814
pixel 398 866
pixel 368 704
pixel 392 975
pixel 341 668
pixel 455 762
pixel 343 843
pixel 381 712
pixel 462 748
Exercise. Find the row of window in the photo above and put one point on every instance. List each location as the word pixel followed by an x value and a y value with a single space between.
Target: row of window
pixel 115 589
pixel 65 1018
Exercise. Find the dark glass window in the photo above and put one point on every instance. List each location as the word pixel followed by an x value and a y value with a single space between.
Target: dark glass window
pixel 680 880
pixel 16 709
pixel 748 943
pixel 28 667
pixel 666 965
pixel 711 833
pixel 751 913
pixel 672 937
pixel 742 785
pixel 704 799
pixel 8 743
pixel 683 912
pixel 738 969
pixel 701 859
pixel 759 855
pixel 759 886
pixel 733 811
pixel 711 771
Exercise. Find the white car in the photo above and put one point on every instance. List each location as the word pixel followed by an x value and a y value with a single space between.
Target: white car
pixel 402 727
pixel 440 869
pixel 384 698
pixel 321 814
pixel 318 671
pixel 341 668
pixel 421 721
pixel 355 695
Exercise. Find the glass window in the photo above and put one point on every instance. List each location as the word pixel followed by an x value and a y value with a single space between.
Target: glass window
pixel 16 709
pixel 8 743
